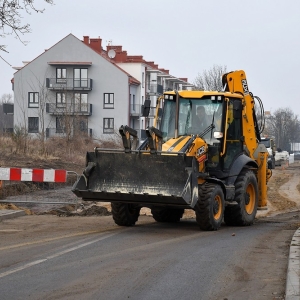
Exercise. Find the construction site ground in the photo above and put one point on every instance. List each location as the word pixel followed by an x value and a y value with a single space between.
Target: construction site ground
pixel 283 194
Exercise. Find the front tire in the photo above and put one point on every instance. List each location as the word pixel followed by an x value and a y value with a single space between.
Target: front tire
pixel 210 206
pixel 167 215
pixel 246 196
pixel 125 214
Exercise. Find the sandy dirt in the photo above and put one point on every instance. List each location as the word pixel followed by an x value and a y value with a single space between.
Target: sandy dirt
pixel 283 190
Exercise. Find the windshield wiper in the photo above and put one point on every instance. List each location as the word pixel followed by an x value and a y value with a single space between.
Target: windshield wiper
pixel 209 128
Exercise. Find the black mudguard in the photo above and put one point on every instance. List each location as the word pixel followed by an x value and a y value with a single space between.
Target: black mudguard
pixel 237 166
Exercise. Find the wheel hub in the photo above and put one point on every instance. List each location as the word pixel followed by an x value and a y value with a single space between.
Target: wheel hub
pixel 216 207
pixel 247 199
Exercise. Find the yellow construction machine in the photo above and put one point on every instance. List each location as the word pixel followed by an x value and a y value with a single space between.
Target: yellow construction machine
pixel 220 171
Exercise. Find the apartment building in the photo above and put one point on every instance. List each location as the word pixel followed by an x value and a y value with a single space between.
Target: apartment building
pixel 77 87
pixel 154 81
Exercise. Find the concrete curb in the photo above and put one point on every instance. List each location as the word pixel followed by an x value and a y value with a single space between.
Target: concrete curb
pixel 9 214
pixel 293 273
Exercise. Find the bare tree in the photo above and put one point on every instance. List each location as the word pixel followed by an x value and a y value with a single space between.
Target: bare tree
pixel 210 80
pixel 11 15
pixel 6 98
pixel 20 135
pixel 284 126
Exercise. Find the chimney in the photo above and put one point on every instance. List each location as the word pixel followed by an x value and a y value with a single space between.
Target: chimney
pixel 96 44
pixel 86 40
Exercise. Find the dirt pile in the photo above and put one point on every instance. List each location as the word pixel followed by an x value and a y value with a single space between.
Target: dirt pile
pixel 284 189
pixel 15 207
pixel 71 211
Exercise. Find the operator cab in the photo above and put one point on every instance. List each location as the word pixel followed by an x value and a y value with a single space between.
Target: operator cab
pixel 212 116
pixel 196 116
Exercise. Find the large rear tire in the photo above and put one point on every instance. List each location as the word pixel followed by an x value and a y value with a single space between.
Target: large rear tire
pixel 246 196
pixel 271 164
pixel 210 206
pixel 125 214
pixel 167 215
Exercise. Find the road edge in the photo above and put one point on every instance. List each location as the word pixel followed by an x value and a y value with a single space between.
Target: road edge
pixel 293 272
pixel 10 213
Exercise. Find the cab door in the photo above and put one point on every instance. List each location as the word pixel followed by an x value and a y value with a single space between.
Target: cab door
pixel 233 126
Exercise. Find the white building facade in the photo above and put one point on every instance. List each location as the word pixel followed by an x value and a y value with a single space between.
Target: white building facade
pixel 77 87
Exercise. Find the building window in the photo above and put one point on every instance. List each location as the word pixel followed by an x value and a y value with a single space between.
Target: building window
pixel 33 99
pixel 81 102
pixel 83 125
pixel 33 125
pixel 108 100
pixel 60 100
pixel 61 75
pixel 81 78
pixel 60 128
pixel 80 125
pixel 108 125
pixel 143 79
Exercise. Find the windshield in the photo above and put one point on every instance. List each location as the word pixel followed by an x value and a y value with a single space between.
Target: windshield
pixel 266 143
pixel 195 115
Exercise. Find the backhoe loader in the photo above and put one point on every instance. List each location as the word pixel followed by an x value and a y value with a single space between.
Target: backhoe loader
pixel 220 172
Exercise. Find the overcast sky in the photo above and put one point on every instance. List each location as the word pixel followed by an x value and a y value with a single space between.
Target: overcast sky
pixel 187 37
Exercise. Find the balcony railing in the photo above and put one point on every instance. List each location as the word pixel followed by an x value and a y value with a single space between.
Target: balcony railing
pixel 154 89
pixel 135 110
pixel 69 109
pixel 69 84
pixel 60 132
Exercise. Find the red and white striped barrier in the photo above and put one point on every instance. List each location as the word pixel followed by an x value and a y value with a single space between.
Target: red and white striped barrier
pixel 36 175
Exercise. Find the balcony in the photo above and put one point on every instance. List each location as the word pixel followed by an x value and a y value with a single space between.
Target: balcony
pixel 69 109
pixel 154 89
pixel 69 84
pixel 135 110
pixel 60 132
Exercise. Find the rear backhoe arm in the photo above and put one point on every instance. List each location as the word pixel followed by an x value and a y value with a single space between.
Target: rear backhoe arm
pixel 236 82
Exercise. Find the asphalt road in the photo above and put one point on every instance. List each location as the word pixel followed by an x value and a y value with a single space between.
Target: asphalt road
pixel 49 257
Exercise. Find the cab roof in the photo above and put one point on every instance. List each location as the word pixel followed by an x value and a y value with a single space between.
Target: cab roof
pixel 200 94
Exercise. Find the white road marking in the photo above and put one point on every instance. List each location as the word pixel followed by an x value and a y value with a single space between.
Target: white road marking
pixel 39 261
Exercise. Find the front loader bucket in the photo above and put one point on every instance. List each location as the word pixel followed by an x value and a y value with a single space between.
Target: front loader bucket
pixel 139 178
